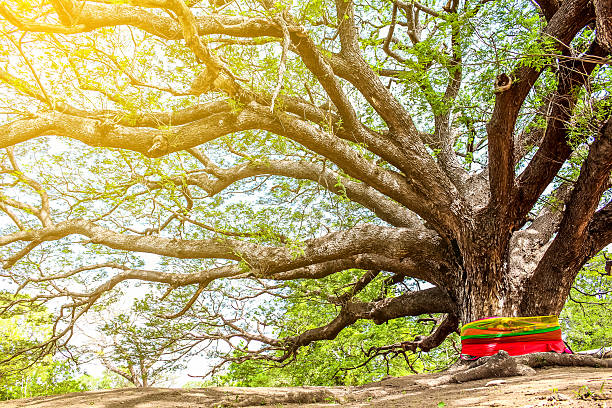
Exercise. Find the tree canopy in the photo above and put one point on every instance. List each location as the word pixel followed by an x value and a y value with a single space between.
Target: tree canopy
pixel 391 159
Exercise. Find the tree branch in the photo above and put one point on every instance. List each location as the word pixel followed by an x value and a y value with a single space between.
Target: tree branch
pixel 572 16
pixel 431 300
pixel 370 198
pixel 448 325
pixel 600 229
pixel 603 21
pixel 268 260
pixel 561 262
pixel 554 149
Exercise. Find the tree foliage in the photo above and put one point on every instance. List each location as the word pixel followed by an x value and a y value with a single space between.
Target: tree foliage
pixel 362 161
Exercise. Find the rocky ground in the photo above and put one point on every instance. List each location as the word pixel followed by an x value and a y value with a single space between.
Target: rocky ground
pixel 551 387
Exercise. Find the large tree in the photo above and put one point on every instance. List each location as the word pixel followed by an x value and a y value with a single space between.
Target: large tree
pixel 467 145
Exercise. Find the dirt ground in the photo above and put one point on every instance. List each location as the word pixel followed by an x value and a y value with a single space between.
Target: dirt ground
pixel 553 387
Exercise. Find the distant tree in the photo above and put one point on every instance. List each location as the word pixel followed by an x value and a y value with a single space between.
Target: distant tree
pixel 586 316
pixel 29 375
pixel 458 154
pixel 104 381
pixel 140 347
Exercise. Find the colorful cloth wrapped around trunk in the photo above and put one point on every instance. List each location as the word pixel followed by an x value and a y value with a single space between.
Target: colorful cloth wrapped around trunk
pixel 516 335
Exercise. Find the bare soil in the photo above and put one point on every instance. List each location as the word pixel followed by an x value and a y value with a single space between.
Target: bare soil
pixel 552 387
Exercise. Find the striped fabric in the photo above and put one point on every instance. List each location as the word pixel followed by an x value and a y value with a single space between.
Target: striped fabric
pixel 516 335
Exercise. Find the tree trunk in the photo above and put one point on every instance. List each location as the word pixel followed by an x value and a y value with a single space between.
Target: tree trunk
pixel 482 296
pixel 496 278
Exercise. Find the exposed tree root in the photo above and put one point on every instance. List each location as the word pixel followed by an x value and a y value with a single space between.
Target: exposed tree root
pixel 537 360
pixel 605 352
pixel 503 365
pixel 297 396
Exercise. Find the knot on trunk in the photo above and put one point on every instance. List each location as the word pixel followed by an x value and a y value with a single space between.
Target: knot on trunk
pixel 212 79
pixel 159 146
pixel 503 82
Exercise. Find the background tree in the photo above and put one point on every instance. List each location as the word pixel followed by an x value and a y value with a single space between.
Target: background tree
pixel 464 148
pixel 30 375
pixel 590 302
pixel 140 346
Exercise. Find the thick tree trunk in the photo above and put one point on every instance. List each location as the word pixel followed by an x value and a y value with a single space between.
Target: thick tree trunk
pixel 496 278
pixel 482 296
pixel 480 291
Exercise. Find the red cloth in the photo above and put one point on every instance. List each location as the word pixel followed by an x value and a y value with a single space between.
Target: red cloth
pixel 516 348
